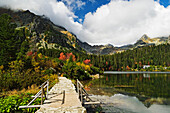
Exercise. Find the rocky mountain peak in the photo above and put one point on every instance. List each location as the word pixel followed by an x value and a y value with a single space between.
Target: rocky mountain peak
pixel 109 45
pixel 144 37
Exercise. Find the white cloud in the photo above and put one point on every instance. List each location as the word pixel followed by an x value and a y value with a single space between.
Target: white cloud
pixel 58 12
pixel 80 20
pixel 122 22
pixel 74 4
pixel 118 22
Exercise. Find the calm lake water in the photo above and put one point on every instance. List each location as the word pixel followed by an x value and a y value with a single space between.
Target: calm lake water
pixel 131 93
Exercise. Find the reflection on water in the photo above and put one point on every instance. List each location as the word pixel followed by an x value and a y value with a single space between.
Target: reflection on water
pixel 152 85
pixel 125 104
pixel 144 92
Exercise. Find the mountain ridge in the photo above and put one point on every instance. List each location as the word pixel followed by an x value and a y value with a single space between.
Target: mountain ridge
pixel 44 33
pixel 143 41
pixel 50 36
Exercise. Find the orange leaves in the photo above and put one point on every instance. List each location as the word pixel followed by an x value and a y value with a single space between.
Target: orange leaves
pixel 29 53
pixel 127 67
pixel 1 67
pixel 87 61
pixel 67 56
pixel 62 56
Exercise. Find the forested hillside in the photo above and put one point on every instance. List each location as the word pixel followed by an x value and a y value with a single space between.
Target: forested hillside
pixel 134 59
pixel 33 50
pixel 32 55
pixel 23 63
pixel 128 60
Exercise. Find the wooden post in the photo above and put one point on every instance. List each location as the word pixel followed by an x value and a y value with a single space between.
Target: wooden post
pixel 42 95
pixel 63 97
pixel 81 95
pixel 78 88
pixel 47 88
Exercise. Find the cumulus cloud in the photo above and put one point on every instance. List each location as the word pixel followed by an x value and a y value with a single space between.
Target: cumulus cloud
pixel 119 22
pixel 122 22
pixel 74 4
pixel 58 12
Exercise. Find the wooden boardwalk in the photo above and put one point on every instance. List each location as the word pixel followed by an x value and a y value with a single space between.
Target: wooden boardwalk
pixel 59 102
pixel 62 98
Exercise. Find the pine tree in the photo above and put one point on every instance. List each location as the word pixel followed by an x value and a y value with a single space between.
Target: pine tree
pixel 8 42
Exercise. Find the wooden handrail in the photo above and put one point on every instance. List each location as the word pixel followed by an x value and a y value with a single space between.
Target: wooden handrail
pixel 81 91
pixel 34 99
pixel 80 83
pixel 41 92
pixel 44 83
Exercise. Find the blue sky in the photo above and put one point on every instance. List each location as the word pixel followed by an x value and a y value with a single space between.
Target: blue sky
pixel 165 3
pixel 116 22
pixel 92 5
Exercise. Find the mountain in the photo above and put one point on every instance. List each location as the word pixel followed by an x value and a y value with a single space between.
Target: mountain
pixel 46 35
pixel 143 41
pixel 43 32
pixel 97 49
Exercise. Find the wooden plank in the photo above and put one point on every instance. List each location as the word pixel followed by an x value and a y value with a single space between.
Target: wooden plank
pixel 43 83
pixel 42 95
pixel 47 88
pixel 36 96
pixel 80 83
pixel 31 106
pixel 34 99
pixel 86 94
pixel 78 88
pixel 38 93
pixel 81 94
pixel 82 90
pixel 63 97
pixel 87 103
pixel 85 91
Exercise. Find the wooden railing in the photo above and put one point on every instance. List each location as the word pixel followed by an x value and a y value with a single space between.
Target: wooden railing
pixel 41 94
pixel 83 95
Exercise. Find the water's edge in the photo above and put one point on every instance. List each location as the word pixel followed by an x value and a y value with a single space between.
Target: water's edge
pixel 134 72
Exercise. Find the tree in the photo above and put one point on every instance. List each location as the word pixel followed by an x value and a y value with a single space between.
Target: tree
pixel 8 42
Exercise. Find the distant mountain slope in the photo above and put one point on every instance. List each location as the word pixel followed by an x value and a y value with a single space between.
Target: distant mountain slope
pixel 110 49
pixel 44 33
pixel 145 40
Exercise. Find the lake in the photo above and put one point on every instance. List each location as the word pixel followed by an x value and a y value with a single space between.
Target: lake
pixel 131 93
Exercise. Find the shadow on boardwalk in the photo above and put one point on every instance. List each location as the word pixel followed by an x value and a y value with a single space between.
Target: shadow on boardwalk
pixel 54 103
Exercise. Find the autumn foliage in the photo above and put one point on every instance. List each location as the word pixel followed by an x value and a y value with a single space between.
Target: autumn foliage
pixel 87 61
pixel 67 56
pixel 62 56
pixel 29 53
